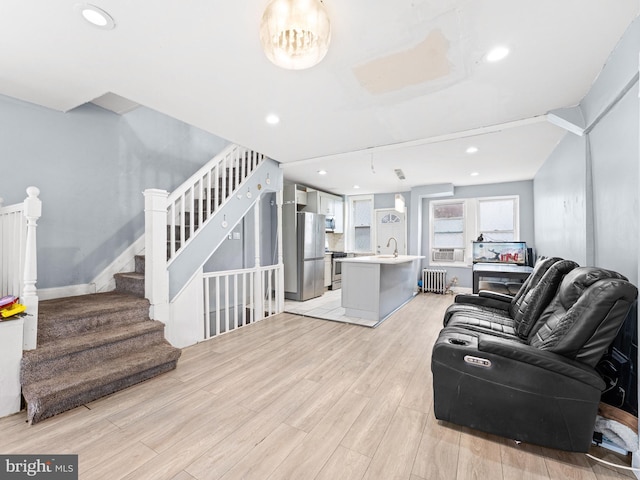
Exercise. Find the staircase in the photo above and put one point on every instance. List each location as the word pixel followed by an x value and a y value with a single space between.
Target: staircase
pixel 200 197
pixel 92 345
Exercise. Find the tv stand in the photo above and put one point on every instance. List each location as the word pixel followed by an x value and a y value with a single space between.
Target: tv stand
pixel 498 270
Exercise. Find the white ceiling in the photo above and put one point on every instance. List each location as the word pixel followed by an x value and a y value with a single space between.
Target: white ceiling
pixel 404 84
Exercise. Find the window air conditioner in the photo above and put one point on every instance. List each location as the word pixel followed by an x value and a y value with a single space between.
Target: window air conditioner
pixel 447 254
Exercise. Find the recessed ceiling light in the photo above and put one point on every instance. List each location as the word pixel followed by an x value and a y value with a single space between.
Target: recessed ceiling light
pixel 272 119
pixel 322 172
pixel 96 16
pixel 472 150
pixel 497 54
pixel 356 186
pixel 475 174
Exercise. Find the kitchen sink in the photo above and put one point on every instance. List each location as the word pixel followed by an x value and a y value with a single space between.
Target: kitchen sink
pixel 385 256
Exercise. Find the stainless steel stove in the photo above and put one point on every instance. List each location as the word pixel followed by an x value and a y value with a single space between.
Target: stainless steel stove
pixel 336 270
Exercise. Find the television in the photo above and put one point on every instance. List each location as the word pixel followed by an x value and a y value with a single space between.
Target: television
pixel 500 252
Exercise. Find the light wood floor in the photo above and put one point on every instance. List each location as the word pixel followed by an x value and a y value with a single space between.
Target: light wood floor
pixel 297 398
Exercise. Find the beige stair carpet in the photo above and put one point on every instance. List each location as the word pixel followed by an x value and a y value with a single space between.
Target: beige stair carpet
pixel 90 346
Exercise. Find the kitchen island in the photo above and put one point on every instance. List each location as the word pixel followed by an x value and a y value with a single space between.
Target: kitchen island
pixel 374 287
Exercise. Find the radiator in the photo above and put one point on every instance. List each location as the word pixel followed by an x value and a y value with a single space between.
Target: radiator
pixel 434 280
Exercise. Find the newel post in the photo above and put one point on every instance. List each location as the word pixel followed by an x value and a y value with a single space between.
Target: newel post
pixel 258 288
pixel 29 296
pixel 156 279
pixel 280 291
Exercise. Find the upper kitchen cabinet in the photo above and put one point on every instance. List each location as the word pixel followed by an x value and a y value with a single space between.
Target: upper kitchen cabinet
pixel 295 194
pixel 331 206
pixel 327 205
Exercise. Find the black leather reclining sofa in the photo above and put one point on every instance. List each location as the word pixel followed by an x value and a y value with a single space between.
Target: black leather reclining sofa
pixel 522 367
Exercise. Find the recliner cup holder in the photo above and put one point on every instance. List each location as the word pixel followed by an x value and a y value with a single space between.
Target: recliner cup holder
pixel 458 341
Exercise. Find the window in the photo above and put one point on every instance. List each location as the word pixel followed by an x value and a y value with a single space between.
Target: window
pixel 448 225
pixel 454 224
pixel 390 218
pixel 498 219
pixel 360 231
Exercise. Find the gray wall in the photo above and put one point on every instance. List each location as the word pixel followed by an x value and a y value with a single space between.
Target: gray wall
pixel 561 202
pixel 234 254
pixel 614 153
pixel 91 166
pixel 524 189
pixel 590 183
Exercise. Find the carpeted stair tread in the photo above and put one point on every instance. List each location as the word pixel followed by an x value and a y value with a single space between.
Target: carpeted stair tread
pixel 70 307
pixel 65 391
pixel 90 340
pixel 64 317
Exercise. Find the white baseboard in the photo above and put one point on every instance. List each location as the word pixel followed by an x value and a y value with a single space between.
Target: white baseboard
pixel 104 281
pixel 68 291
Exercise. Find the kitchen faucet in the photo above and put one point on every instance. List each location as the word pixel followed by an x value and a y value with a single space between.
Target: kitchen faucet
pixel 395 251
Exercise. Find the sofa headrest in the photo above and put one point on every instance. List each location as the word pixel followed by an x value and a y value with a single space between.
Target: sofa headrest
pixel 540 268
pixel 539 295
pixel 585 315
pixel 579 279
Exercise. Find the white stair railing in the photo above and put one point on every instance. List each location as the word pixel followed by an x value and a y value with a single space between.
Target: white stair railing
pixel 236 298
pixel 18 258
pixel 194 203
pixel 173 221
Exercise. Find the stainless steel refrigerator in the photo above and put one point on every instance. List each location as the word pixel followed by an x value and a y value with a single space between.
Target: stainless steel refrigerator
pixel 310 236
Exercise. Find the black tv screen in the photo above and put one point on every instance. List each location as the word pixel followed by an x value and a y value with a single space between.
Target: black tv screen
pixel 500 252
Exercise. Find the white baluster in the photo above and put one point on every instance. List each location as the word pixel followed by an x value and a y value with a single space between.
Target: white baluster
pixel 207 309
pixel 236 172
pixel 29 298
pixel 252 314
pixel 226 304
pixel 224 174
pixel 236 319
pixel 216 186
pixel 183 221
pixel 244 298
pixel 218 317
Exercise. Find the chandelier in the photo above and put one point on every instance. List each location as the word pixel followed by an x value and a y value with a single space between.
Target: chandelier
pixel 295 34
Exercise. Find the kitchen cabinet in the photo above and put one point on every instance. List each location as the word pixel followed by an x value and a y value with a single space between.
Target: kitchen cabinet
pixel 338 206
pixel 295 194
pixel 328 205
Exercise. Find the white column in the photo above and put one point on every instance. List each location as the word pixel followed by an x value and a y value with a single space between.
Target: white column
pixel 156 279
pixel 280 292
pixel 29 296
pixel 258 291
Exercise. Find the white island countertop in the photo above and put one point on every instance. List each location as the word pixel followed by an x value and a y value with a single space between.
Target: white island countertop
pixel 383 259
